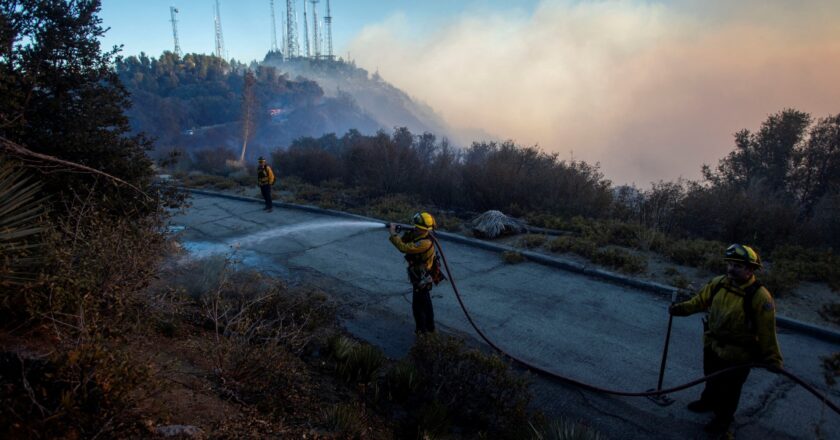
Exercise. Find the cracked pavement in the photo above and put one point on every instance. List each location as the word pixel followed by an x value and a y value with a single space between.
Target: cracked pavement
pixel 584 328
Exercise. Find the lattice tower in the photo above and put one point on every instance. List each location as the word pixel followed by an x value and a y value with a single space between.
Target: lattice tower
pixel 220 40
pixel 172 11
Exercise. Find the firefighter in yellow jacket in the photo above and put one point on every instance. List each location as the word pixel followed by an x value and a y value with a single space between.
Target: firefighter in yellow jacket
pixel 419 253
pixel 265 178
pixel 740 328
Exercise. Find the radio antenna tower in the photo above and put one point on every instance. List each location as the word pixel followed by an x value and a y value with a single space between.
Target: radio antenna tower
pixel 273 28
pixel 305 32
pixel 316 41
pixel 220 41
pixel 328 22
pixel 292 47
pixel 283 45
pixel 172 11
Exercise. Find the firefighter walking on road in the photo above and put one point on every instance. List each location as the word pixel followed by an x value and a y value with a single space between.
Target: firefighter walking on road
pixel 265 179
pixel 423 271
pixel 740 328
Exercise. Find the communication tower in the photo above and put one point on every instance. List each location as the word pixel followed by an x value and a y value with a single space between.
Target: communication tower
pixel 316 41
pixel 292 46
pixel 220 41
pixel 172 11
pixel 305 32
pixel 328 23
pixel 273 28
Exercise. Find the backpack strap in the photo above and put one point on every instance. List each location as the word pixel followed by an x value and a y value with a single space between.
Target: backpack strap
pixel 749 295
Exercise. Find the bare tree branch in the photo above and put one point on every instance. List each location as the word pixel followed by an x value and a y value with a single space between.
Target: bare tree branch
pixel 25 153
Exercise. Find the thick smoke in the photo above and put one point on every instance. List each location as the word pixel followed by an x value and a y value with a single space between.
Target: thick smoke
pixel 650 90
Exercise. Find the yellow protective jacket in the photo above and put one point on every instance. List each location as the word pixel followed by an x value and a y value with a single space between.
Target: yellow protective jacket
pixel 728 333
pixel 418 249
pixel 265 176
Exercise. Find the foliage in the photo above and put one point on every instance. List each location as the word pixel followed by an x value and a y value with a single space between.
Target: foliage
pixel 531 241
pixel 62 98
pixel 512 257
pixel 82 391
pixel 563 429
pixel 348 420
pixel 479 390
pixel 401 381
pixel 831 368
pixel 19 228
pixel 355 363
pixel 620 259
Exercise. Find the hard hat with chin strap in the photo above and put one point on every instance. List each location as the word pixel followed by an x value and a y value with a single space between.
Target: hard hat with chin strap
pixel 424 221
pixel 742 254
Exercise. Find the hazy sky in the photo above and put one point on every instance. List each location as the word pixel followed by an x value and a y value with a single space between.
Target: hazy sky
pixel 652 90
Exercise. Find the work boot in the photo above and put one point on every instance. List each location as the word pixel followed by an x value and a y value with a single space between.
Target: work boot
pixel 699 406
pixel 719 426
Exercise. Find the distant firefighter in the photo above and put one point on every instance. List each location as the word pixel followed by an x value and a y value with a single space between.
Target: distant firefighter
pixel 265 178
pixel 423 267
pixel 740 328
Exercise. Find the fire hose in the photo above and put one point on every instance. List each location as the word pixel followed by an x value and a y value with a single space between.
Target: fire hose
pixel 781 371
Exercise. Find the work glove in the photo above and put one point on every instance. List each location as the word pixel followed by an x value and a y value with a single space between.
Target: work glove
pixel 675 310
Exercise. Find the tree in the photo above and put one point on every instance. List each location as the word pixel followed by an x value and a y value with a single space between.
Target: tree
pixel 60 96
pixel 769 155
pixel 249 110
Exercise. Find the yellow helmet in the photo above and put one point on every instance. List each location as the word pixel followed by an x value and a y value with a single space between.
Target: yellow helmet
pixel 424 221
pixel 742 254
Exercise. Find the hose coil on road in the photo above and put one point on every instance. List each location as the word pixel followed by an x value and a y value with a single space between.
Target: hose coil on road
pixel 781 371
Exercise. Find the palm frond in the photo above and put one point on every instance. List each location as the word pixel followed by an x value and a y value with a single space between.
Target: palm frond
pixel 20 210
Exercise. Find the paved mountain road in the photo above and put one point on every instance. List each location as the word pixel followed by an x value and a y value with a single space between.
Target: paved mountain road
pixel 593 331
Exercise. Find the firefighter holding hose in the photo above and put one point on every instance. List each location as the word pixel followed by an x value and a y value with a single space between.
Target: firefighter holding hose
pixel 740 328
pixel 423 267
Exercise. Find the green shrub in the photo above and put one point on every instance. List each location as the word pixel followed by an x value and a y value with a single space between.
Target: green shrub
pixel 361 364
pixel 480 390
pixel 696 253
pixel 433 420
pixel 531 241
pixel 346 419
pixel 620 259
pixel 780 280
pixel 580 246
pixel 396 208
pixel 512 257
pixel 808 264
pixel 402 381
pixel 340 347
pixel 831 312
pixel 564 429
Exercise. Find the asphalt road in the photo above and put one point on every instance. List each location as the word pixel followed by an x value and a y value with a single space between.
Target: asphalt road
pixel 593 331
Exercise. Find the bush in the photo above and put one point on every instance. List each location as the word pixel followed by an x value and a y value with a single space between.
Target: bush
pixel 531 241
pixel 480 390
pixel 564 429
pixel 82 391
pixel 402 381
pixel 620 259
pixel 580 246
pixel 214 160
pixel 355 362
pixel 348 420
pixel 696 253
pixel 361 364
pixel 512 257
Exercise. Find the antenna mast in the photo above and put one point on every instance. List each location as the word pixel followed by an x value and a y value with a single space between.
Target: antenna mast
pixel 172 11
pixel 316 42
pixel 305 32
pixel 273 28
pixel 220 41
pixel 292 48
pixel 328 22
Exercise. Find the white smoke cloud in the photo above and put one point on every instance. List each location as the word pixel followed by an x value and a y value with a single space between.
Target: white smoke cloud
pixel 650 90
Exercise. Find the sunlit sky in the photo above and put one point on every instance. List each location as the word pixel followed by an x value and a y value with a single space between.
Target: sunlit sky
pixel 650 89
